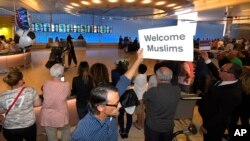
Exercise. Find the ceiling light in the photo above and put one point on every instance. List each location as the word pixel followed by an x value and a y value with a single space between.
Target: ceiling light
pixel 85 2
pixel 171 5
pixel 160 3
pixel 130 1
pixel 68 6
pixel 68 11
pixel 112 1
pixel 177 7
pixel 183 11
pixel 75 4
pixel 97 1
pixel 146 1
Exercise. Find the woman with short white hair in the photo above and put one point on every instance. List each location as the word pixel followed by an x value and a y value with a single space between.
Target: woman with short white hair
pixel 54 113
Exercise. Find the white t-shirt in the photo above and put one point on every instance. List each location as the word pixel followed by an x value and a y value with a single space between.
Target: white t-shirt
pixel 21 115
pixel 140 85
pixel 152 82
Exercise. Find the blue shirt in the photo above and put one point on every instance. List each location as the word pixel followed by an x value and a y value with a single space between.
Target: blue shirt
pixel 92 129
pixel 122 84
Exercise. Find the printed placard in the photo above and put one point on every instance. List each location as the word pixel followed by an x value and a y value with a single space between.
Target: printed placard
pixel 167 43
pixel 204 45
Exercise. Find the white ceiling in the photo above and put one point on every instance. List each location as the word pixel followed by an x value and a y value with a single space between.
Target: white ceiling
pixel 106 8
pixel 124 9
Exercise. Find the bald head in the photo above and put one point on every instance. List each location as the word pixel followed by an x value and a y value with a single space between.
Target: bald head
pixel 164 74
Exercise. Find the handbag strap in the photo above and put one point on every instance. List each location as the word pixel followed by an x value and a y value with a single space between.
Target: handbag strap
pixel 13 103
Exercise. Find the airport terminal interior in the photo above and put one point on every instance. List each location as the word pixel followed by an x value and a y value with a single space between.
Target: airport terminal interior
pixel 106 32
pixel 36 74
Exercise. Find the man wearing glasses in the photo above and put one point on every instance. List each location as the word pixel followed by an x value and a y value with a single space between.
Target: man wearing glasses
pixel 221 100
pixel 99 124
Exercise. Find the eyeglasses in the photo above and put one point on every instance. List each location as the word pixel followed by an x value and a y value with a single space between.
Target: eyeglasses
pixel 113 105
pixel 223 70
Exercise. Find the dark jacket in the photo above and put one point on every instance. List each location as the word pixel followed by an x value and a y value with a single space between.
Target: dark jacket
pixel 129 99
pixel 218 104
pixel 81 89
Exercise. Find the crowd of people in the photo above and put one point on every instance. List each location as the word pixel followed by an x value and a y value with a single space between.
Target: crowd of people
pixel 8 45
pixel 222 79
pixel 225 44
pixel 127 44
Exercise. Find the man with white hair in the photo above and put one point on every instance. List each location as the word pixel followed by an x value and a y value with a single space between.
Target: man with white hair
pixel 161 102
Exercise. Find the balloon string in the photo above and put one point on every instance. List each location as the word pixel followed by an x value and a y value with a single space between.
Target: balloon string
pixel 14 4
pixel 24 65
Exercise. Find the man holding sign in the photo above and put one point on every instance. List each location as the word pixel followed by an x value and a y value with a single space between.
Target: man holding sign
pixel 166 43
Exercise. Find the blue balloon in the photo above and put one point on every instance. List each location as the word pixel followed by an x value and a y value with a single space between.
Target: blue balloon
pixel 22 19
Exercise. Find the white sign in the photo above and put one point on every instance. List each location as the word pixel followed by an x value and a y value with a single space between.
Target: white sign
pixel 188 21
pixel 204 45
pixel 167 43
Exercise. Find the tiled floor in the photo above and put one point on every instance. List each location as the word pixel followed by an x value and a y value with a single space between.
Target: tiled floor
pixel 36 74
pixel 138 135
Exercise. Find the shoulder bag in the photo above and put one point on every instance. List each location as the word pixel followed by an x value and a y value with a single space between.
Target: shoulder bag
pixel 12 104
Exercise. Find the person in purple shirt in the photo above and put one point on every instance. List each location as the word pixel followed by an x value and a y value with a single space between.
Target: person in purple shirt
pixel 100 123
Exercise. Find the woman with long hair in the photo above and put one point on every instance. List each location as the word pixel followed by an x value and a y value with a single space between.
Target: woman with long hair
pixel 99 73
pixel 81 87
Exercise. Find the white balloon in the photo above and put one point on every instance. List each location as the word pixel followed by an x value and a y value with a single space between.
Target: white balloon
pixel 21 42
pixel 19 32
pixel 25 40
